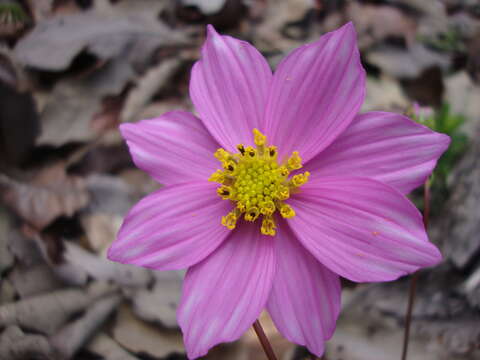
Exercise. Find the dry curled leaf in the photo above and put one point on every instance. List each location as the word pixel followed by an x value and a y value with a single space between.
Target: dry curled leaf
pixel 47 313
pixel 15 345
pixel 54 43
pixel 73 336
pixel 50 194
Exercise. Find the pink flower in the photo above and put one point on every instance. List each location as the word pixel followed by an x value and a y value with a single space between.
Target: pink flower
pixel 345 215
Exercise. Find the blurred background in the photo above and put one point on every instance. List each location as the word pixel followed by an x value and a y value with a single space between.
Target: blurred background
pixel 71 71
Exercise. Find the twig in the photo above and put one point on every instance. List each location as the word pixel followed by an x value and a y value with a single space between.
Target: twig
pixel 264 341
pixel 413 282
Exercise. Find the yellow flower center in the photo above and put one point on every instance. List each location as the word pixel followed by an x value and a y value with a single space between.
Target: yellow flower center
pixel 257 184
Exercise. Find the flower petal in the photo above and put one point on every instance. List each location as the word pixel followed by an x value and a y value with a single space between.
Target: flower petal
pixel 384 146
pixel 229 87
pixel 305 299
pixel 361 229
pixel 224 294
pixel 173 228
pixel 172 148
pixel 316 92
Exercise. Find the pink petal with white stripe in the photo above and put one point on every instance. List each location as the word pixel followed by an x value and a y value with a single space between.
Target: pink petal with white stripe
pixel 384 146
pixel 305 299
pixel 172 148
pixel 173 228
pixel 224 294
pixel 361 229
pixel 316 92
pixel 229 87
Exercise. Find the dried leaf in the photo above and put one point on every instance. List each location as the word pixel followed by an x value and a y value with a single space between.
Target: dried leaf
pixel 108 348
pixel 207 7
pixel 46 313
pixel 15 345
pixel 54 43
pixel 462 95
pixel 30 281
pixel 101 229
pixel 102 269
pixel 52 193
pixel 407 63
pixel 109 195
pixel 140 337
pixel 384 94
pixel 159 304
pixel 147 86
pixel 7 292
pixel 72 337
pixel 68 115
pixel 375 23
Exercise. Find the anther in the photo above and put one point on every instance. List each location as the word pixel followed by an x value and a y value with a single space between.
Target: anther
pixel 268 226
pixel 294 162
pixel 218 176
pixel 272 152
pixel 224 191
pixel 259 138
pixel 267 207
pixel 252 214
pixel 300 179
pixel 221 155
pixel 283 170
pixel 286 211
pixel 283 192
pixel 230 221
pixel 241 149
pixel 230 166
pixel 251 151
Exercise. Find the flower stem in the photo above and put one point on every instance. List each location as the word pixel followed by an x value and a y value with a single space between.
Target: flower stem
pixel 264 341
pixel 413 282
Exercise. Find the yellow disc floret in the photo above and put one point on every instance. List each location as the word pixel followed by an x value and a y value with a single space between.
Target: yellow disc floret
pixel 256 183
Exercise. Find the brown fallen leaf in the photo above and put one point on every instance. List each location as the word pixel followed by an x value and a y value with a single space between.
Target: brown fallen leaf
pixel 47 313
pixel 68 340
pixel 54 43
pixel 159 304
pixel 31 281
pixel 102 269
pixel 108 348
pixel 7 292
pixel 101 229
pixel 50 194
pixel 408 63
pixel 15 345
pixel 146 87
pixel 375 23
pixel 139 337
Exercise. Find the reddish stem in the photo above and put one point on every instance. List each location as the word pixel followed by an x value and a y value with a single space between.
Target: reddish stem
pixel 267 348
pixel 413 282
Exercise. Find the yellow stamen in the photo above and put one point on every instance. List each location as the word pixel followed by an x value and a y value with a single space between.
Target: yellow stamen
pixel 225 192
pixel 295 161
pixel 268 226
pixel 230 221
pixel 259 138
pixel 221 155
pixel 300 179
pixel 218 177
pixel 267 207
pixel 257 184
pixel 286 211
pixel 252 214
